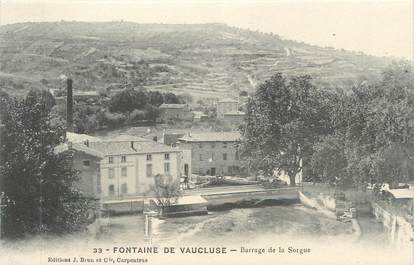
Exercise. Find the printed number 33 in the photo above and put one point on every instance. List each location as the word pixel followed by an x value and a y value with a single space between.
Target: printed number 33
pixel 97 250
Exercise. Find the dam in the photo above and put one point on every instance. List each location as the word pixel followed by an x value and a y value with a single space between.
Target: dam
pixel 210 198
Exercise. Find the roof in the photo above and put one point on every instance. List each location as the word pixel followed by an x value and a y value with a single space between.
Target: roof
pixel 172 106
pixel 126 138
pixel 402 193
pixel 235 113
pixel 79 138
pixel 228 100
pixel 107 148
pixel 79 147
pixel 118 145
pixel 199 113
pixel 211 137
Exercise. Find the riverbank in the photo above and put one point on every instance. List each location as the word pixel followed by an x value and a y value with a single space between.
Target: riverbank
pixel 324 207
pixel 292 225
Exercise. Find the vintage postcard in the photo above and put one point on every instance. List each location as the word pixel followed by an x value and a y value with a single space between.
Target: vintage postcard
pixel 206 132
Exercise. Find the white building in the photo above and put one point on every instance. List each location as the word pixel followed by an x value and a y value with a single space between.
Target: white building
pixel 123 168
pixel 226 105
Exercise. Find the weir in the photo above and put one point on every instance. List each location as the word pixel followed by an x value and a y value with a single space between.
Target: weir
pixel 253 196
pixel 192 200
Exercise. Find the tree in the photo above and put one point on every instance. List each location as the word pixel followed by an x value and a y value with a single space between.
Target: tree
pixel 171 98
pixel 373 131
pixel 166 191
pixel 329 161
pixel 243 93
pixel 44 96
pixel 127 100
pixel 186 97
pixel 284 119
pixel 155 98
pixel 38 183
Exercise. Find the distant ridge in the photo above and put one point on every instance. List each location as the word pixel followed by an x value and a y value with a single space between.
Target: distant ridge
pixel 207 60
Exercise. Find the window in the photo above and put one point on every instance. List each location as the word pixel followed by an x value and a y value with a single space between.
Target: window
pixel 149 157
pixel 224 156
pixel 123 159
pixel 167 156
pixel 166 167
pixel 111 173
pixel 123 171
pixel 149 170
pixel 111 160
pixel 111 190
pixel 224 145
pixel 124 188
pixel 237 155
pixel 86 163
pixel 201 157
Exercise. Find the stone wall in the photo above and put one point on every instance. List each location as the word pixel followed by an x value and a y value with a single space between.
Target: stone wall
pixel 400 232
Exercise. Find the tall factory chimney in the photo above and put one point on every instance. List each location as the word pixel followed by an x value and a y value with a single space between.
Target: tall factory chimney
pixel 2 190
pixel 69 106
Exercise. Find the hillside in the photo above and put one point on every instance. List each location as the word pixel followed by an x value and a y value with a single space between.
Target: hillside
pixel 206 60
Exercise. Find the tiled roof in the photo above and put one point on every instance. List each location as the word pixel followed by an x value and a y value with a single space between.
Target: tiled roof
pixel 79 147
pixel 125 138
pixel 118 145
pixel 172 106
pixel 79 138
pixel 125 148
pixel 211 137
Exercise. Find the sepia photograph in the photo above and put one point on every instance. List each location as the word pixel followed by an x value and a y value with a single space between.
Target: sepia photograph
pixel 184 132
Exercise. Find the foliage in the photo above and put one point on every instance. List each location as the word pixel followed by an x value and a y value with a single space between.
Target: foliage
pixel 39 184
pixel 284 119
pixel 155 98
pixel 243 93
pixel 373 133
pixel 171 98
pixel 123 108
pixel 44 96
pixel 127 100
pixel 186 97
pixel 166 190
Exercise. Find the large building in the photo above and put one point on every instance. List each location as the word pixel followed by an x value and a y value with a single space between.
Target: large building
pixel 228 110
pixel 226 105
pixel 234 117
pixel 123 167
pixel 213 153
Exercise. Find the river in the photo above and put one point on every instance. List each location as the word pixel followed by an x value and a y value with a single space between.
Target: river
pixel 282 226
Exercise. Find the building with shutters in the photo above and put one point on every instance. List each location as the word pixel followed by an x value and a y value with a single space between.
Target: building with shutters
pixel 123 167
pixel 213 153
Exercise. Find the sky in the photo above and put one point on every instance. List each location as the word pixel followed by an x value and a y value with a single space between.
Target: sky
pixel 377 27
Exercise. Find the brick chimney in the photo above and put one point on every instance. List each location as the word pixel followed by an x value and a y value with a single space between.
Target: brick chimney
pixel 2 127
pixel 132 145
pixel 69 106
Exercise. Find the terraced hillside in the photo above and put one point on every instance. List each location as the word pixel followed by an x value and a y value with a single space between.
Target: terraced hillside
pixel 206 60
